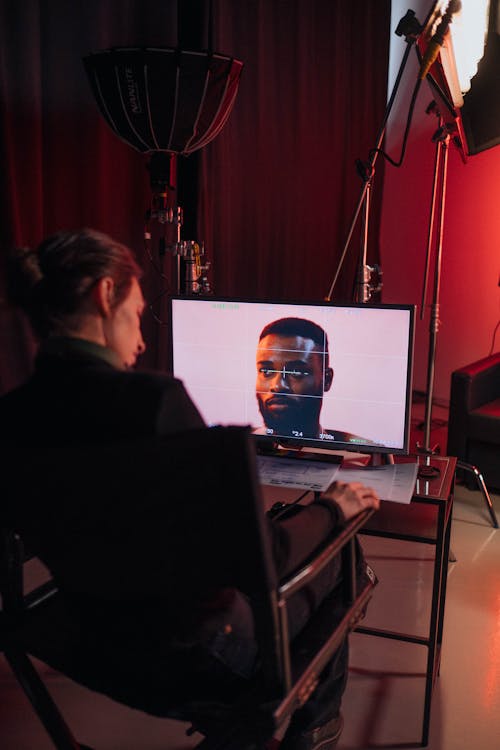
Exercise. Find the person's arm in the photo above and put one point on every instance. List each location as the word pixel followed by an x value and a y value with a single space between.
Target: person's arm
pixel 295 536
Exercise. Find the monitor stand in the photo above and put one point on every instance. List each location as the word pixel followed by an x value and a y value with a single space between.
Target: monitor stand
pixel 380 459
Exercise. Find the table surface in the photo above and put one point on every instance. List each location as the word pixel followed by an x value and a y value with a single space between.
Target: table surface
pixel 439 485
pixel 420 517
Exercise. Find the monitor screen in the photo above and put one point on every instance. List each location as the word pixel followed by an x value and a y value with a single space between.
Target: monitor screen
pixel 322 375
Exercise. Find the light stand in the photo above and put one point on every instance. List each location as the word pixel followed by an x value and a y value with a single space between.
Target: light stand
pixel 442 139
pixel 166 102
pixel 445 134
pixel 368 278
pixel 448 98
pixel 190 273
pixel 410 28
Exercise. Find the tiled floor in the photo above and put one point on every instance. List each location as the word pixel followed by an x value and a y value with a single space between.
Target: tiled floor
pixel 384 698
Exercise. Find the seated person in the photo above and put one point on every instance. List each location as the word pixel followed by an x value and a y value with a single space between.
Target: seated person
pixel 82 294
pixel 293 373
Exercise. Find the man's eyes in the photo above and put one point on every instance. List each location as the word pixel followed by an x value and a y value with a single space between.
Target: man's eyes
pixel 268 372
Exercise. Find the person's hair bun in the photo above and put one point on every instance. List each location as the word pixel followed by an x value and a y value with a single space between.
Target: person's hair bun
pixel 23 275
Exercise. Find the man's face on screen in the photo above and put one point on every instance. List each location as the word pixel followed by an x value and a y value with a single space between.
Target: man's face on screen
pixel 291 380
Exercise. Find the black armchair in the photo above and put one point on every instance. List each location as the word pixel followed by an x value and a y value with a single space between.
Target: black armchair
pixel 474 420
pixel 211 477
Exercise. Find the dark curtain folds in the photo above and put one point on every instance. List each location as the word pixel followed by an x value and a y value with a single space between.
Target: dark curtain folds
pixel 279 189
pixel 276 189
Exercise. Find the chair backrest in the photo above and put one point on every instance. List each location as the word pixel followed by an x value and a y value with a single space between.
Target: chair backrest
pixel 155 517
pixel 179 493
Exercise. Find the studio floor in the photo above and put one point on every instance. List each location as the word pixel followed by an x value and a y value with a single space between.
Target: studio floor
pixel 383 702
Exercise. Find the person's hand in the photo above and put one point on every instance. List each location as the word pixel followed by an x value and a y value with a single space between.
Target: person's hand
pixel 352 497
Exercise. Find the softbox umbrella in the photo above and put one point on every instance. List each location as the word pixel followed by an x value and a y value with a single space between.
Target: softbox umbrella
pixel 162 99
pixel 165 102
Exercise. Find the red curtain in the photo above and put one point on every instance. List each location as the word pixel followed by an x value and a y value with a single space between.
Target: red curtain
pixel 277 188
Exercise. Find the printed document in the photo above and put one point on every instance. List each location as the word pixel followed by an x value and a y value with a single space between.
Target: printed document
pixel 393 482
pixel 298 473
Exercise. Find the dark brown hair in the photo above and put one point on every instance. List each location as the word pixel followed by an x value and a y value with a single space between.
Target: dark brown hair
pixel 52 282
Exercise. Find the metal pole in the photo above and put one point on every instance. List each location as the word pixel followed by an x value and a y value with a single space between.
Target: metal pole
pixel 441 172
pixel 413 29
pixel 362 292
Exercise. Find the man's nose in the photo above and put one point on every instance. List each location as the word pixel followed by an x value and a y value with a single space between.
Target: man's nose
pixel 280 381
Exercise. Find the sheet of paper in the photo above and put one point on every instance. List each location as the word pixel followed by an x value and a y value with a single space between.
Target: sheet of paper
pixel 298 473
pixel 394 482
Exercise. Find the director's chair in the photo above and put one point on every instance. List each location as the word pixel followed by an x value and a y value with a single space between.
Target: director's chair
pixel 158 502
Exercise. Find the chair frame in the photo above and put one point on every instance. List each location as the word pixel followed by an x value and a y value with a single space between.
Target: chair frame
pixel 290 669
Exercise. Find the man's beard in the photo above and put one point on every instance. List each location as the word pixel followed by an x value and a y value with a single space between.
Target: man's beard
pixel 294 421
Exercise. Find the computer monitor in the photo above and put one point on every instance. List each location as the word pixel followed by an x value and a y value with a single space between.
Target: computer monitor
pixel 319 375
